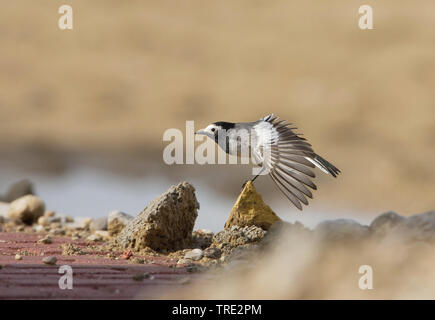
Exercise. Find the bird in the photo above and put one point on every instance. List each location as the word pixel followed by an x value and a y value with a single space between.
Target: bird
pixel 274 145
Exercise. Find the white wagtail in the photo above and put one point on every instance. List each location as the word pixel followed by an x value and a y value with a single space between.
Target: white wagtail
pixel 283 154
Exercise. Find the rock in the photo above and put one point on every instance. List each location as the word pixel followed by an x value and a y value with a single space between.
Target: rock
pixel 18 257
pixel 102 234
pixel 116 221
pixel 229 239
pixel 250 209
pixel 43 221
pixel 80 223
pixel 45 240
pixel 202 239
pixel 85 223
pixel 184 262
pixel 341 229
pixel 26 209
pixel 51 260
pixel 419 227
pixel 385 222
pixel 18 190
pixel 4 209
pixel 213 253
pixel 206 232
pixel 285 230
pixel 98 224
pixel 244 253
pixel 53 219
pixel 165 224
pixel 38 228
pixel 49 213
pixel 69 219
pixel 195 254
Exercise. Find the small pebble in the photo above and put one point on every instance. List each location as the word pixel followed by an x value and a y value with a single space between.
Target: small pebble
pixel 51 260
pixel 43 221
pixel 195 254
pixel 45 240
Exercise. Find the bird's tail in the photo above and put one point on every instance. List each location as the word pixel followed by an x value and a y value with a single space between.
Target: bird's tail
pixel 325 166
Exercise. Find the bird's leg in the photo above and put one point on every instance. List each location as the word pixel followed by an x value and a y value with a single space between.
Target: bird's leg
pixel 252 180
pixel 262 169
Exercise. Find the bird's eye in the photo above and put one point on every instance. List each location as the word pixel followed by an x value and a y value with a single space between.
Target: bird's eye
pixel 213 129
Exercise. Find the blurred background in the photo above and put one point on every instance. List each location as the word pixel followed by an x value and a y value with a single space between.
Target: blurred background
pixel 82 112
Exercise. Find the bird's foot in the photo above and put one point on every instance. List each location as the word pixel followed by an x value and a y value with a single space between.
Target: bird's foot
pixel 244 184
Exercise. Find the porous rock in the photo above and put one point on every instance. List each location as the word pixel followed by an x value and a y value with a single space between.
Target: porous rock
pixel 26 209
pixel 229 239
pixel 165 224
pixel 250 210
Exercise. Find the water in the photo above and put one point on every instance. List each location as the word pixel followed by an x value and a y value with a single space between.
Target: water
pixel 91 192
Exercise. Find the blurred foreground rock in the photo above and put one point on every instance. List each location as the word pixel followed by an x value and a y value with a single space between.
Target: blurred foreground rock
pixel 26 209
pixel 341 229
pixel 18 190
pixel 166 224
pixel 250 210
pixel 385 222
pixel 419 227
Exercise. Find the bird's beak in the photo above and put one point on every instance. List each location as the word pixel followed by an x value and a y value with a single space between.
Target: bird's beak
pixel 200 132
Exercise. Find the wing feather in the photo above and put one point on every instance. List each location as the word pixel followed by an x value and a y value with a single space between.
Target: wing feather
pixel 289 167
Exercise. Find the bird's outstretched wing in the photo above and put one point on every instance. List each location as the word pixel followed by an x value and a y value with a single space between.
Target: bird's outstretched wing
pixel 288 160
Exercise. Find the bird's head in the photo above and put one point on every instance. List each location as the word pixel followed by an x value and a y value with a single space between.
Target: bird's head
pixel 212 130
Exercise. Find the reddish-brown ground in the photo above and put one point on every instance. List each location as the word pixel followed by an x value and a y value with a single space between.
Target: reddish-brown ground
pixel 94 275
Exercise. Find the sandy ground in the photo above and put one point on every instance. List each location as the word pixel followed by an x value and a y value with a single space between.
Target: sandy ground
pixel 94 275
